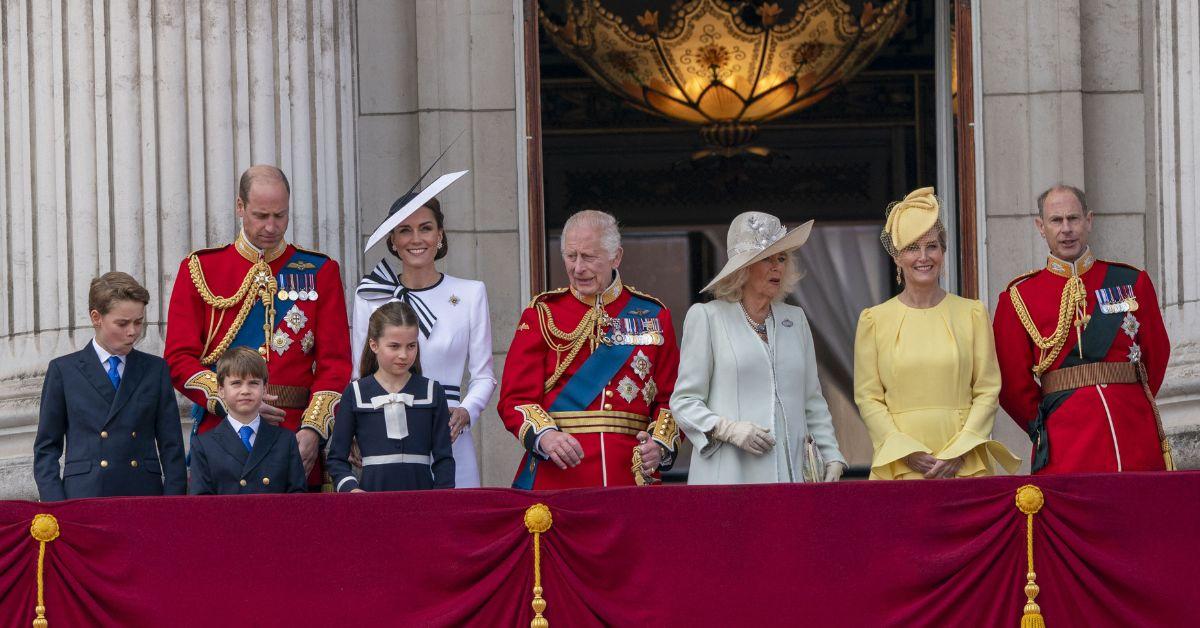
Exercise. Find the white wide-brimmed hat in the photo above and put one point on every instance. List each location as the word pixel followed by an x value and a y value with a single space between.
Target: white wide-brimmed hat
pixel 755 236
pixel 409 203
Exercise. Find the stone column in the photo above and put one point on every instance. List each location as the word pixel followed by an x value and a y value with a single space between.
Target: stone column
pixel 1173 63
pixel 126 125
pixel 429 71
pixel 1033 137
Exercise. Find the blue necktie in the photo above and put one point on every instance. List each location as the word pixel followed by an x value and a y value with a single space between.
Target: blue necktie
pixel 114 375
pixel 246 432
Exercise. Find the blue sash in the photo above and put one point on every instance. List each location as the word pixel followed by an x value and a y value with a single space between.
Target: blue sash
pixel 251 332
pixel 585 385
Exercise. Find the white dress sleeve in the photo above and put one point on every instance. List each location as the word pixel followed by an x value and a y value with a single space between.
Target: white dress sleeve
pixel 482 382
pixel 358 330
pixel 689 401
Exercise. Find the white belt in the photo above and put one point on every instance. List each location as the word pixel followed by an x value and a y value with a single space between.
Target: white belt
pixel 397 459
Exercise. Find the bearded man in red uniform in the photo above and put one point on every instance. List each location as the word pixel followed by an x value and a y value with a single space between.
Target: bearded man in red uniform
pixel 1082 351
pixel 589 375
pixel 261 292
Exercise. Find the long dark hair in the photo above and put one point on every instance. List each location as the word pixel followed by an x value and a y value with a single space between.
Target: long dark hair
pixel 395 314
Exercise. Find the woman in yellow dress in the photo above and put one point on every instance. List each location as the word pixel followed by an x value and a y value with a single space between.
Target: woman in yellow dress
pixel 926 379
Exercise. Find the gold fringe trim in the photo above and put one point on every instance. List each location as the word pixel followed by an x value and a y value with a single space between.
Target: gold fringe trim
pixel 538 521
pixel 1029 501
pixel 43 529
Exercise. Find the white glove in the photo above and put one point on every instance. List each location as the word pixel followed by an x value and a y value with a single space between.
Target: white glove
pixel 744 435
pixel 834 471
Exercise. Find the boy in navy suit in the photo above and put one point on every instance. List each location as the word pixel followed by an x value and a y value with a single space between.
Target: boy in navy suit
pixel 114 407
pixel 244 454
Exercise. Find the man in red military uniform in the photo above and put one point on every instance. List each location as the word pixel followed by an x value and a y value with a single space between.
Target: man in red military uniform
pixel 261 292
pixel 1091 333
pixel 589 375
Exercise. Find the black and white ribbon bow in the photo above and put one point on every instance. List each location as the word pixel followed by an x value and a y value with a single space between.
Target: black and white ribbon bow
pixel 382 283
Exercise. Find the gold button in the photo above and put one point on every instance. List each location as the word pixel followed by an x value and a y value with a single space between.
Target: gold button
pixel 103 434
pixel 133 463
pixel 608 406
pixel 262 350
pixel 608 393
pixel 266 481
pixel 242 482
pixel 103 464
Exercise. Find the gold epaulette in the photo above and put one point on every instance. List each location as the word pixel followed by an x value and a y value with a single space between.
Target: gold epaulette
pixel 310 251
pixel 644 295
pixel 1019 278
pixel 211 249
pixel 1129 266
pixel 539 297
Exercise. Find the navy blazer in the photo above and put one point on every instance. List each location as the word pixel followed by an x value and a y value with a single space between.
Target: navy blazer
pixel 123 442
pixel 222 466
pixel 428 438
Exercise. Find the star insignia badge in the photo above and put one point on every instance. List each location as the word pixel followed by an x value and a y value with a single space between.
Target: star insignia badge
pixel 296 319
pixel 280 342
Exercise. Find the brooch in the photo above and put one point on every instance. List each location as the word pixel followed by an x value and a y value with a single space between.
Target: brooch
pixel 453 299
pixel 787 322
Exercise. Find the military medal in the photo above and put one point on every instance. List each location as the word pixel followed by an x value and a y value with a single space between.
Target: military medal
pixel 282 295
pixel 293 294
pixel 303 281
pixel 312 288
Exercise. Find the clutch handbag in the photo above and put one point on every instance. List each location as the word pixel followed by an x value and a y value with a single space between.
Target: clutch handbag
pixel 814 464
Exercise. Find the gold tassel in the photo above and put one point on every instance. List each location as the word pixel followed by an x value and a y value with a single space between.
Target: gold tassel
pixel 537 521
pixel 43 529
pixel 1030 501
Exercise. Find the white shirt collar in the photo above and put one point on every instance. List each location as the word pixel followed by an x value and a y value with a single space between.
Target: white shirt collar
pixel 104 355
pixel 237 425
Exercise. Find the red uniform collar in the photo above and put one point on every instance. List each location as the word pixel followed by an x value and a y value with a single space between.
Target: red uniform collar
pixel 610 294
pixel 1066 269
pixel 253 253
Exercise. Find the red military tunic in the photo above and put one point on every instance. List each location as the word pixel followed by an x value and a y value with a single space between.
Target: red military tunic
pixel 611 410
pixel 306 342
pixel 1098 428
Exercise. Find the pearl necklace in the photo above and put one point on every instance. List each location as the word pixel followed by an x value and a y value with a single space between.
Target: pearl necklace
pixel 759 328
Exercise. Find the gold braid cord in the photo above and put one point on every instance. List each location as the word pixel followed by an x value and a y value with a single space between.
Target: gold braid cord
pixel 590 328
pixel 1030 501
pixel 259 285
pixel 43 530
pixel 538 521
pixel 319 413
pixel 1070 307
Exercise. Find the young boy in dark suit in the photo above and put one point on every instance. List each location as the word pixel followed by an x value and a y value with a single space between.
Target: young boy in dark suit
pixel 244 454
pixel 112 405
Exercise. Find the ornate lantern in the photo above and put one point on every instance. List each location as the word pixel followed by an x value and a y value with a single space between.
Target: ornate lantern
pixel 721 64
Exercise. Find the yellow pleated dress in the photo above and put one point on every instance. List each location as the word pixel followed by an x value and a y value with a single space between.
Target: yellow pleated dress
pixel 927 380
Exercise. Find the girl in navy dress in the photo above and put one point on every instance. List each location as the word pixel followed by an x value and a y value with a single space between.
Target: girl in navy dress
pixel 400 419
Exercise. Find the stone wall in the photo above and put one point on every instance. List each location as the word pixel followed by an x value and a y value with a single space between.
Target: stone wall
pixel 428 71
pixel 1074 91
pixel 126 125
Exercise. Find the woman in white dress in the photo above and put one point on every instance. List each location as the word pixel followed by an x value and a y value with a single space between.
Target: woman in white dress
pixel 455 328
pixel 747 394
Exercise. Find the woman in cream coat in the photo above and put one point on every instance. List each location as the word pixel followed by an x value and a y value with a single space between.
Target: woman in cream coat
pixel 747 394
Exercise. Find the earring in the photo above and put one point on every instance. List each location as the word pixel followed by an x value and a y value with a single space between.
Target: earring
pixel 439 244
pixel 899 277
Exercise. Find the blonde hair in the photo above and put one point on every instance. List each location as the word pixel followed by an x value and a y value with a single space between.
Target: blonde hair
pixel 733 287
